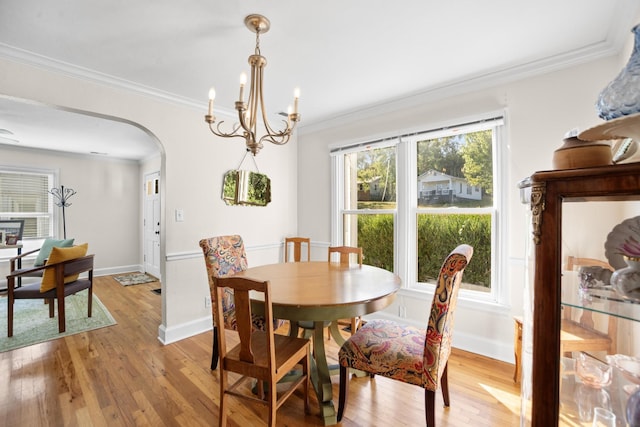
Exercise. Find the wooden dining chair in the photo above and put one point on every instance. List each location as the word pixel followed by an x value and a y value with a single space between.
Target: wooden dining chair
pixel 408 354
pixel 224 256
pixel 260 355
pixel 297 243
pixel 347 253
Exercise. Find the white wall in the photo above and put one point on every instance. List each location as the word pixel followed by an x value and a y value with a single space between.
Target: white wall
pixel 105 211
pixel 539 112
pixel 192 166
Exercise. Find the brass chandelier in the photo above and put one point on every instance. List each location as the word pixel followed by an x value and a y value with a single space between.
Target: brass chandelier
pixel 248 112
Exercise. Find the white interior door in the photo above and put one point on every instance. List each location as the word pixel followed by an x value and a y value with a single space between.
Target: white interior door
pixel 152 224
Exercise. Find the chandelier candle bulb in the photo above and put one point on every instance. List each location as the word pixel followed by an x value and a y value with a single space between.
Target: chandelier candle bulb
pixel 296 96
pixel 243 81
pixel 212 96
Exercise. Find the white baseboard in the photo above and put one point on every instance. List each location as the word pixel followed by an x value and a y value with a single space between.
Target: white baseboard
pixel 184 330
pixel 117 270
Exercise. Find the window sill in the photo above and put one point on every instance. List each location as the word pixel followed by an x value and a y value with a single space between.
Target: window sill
pixel 464 300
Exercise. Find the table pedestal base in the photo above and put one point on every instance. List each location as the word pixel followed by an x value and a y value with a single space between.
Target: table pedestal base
pixel 321 371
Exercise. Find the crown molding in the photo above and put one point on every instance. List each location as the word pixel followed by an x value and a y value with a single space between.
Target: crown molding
pixel 491 78
pixel 74 71
pixel 478 82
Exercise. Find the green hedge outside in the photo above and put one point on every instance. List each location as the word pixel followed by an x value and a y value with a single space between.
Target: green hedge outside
pixel 437 236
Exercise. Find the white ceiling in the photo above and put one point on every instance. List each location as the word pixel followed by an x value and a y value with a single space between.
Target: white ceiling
pixel 345 56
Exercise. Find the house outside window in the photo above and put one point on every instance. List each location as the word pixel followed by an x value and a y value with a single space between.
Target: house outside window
pixel 435 189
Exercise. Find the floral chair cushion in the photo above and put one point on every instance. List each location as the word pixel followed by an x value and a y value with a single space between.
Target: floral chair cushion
pixel 386 348
pixel 408 354
pixel 225 256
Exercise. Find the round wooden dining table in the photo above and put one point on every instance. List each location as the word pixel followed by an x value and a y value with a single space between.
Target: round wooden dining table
pixel 321 291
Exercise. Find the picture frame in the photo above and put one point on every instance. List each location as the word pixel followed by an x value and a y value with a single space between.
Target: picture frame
pixel 11 231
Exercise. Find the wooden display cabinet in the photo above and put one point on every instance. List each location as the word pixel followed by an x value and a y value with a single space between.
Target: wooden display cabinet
pixel 549 190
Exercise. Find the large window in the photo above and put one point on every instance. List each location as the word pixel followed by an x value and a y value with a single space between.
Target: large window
pixel 24 194
pixel 455 202
pixel 409 200
pixel 369 203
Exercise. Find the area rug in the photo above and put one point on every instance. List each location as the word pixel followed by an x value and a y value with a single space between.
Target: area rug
pixel 135 279
pixel 32 324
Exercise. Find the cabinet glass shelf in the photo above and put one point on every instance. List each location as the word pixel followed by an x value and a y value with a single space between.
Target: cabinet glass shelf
pixel 598 300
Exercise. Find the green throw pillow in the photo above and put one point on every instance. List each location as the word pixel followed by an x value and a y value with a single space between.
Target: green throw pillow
pixel 45 250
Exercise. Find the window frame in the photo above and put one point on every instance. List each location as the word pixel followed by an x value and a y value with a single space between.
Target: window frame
pixel 31 243
pixel 407 211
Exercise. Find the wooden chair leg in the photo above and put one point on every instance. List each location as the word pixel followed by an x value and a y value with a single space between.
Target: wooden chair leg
pixel 224 380
pixel 430 407
pixel 444 385
pixel 51 308
pixel 517 349
pixel 61 319
pixel 354 325
pixel 344 391
pixel 273 403
pixel 90 303
pixel 10 314
pixel 214 351
pixel 258 389
pixel 306 363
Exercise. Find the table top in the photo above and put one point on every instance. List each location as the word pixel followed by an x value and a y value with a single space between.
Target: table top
pixel 319 290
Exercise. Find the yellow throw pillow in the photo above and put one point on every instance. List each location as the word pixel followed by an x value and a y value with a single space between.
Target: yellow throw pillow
pixel 58 255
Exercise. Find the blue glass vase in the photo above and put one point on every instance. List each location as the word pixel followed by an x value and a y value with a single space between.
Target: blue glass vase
pixel 633 409
pixel 621 97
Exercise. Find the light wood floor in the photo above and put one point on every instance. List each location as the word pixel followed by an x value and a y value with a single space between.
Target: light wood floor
pixel 123 376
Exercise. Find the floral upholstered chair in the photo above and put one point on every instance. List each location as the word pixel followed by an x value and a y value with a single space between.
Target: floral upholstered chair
pixel 407 354
pixel 224 256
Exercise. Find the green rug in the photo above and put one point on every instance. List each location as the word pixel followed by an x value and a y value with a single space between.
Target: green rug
pixel 32 325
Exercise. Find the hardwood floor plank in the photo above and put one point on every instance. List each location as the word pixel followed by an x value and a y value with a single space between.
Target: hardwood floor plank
pixel 122 376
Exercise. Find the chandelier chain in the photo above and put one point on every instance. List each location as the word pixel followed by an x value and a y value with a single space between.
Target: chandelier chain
pixel 257 42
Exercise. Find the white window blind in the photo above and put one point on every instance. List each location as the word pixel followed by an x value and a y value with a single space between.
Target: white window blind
pixel 25 195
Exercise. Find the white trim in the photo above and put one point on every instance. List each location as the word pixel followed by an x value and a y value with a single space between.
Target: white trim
pixel 184 330
pixel 75 71
pixel 178 256
pixel 97 272
pixel 110 271
pixel 337 196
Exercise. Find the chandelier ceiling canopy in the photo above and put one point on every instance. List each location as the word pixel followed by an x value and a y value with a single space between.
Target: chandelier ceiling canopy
pixel 250 111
